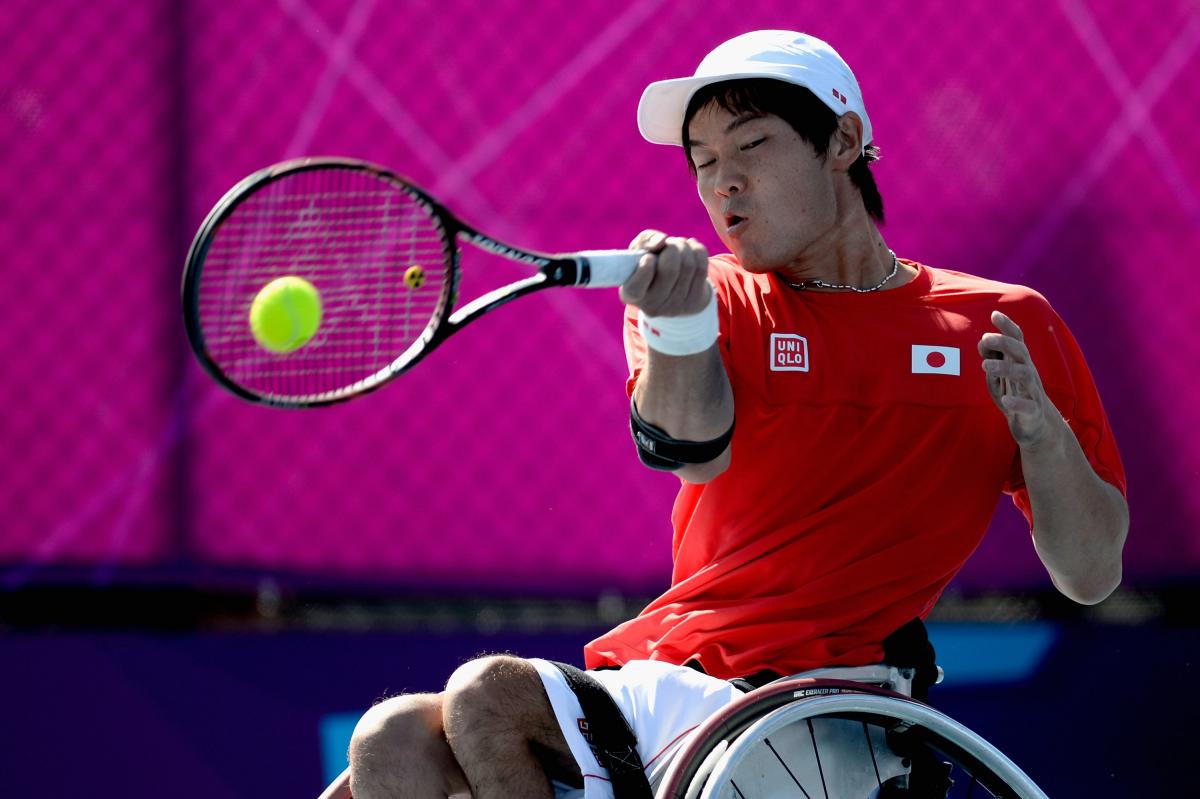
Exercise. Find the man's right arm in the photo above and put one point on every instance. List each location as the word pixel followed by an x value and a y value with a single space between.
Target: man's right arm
pixel 686 396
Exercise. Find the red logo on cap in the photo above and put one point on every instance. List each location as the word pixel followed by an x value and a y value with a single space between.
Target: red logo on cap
pixel 840 96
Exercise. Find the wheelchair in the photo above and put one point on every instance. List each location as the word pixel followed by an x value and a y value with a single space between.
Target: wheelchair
pixel 839 733
pixel 832 733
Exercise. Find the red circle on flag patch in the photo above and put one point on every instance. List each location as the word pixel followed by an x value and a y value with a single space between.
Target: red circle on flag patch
pixel 935 359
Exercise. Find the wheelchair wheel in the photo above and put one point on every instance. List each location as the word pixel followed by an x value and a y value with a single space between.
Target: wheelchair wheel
pixel 824 739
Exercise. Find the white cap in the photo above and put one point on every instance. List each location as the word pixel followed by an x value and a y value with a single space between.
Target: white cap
pixel 783 55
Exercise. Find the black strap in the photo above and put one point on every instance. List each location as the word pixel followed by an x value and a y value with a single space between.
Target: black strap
pixel 659 451
pixel 608 734
pixel 909 648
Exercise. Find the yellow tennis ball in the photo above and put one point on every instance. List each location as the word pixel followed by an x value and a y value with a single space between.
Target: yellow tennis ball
pixel 414 277
pixel 285 314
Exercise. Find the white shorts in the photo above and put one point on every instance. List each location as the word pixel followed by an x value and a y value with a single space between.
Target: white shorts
pixel 662 703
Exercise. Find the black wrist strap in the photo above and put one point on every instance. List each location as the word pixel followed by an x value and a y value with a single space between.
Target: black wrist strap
pixel 659 451
pixel 609 735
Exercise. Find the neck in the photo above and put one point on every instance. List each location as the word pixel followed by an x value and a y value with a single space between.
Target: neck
pixel 862 263
pixel 851 253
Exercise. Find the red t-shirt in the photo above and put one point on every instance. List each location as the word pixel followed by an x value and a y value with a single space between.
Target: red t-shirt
pixel 866 464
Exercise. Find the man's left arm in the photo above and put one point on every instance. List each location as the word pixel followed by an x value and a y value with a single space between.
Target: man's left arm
pixel 1079 520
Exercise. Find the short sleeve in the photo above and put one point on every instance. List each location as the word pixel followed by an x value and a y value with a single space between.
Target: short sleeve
pixel 635 346
pixel 1069 384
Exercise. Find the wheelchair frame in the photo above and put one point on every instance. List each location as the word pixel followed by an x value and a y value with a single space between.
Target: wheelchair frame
pixel 732 754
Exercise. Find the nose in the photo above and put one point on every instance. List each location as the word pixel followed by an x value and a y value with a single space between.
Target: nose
pixel 730 180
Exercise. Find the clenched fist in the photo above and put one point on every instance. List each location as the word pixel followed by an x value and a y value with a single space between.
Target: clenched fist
pixel 671 278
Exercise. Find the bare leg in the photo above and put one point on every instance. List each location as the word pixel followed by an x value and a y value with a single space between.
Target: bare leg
pixel 399 749
pixel 502 730
pixel 339 788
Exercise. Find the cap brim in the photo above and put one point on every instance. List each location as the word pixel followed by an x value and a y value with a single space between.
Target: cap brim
pixel 663 104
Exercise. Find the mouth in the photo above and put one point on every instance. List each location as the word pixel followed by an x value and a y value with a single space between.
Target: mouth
pixel 734 224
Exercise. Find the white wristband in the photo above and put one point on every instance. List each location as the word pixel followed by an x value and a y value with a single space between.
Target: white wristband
pixel 681 335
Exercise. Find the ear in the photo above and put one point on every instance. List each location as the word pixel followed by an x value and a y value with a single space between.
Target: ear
pixel 845 146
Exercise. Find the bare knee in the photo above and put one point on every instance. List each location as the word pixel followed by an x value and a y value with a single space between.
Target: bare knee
pixel 502 687
pixel 399 741
pixel 484 673
pixel 399 721
pixel 499 698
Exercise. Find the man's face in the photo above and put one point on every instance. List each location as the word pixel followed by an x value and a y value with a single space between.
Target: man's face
pixel 768 194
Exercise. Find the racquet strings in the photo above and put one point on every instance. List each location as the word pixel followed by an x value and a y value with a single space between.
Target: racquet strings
pixel 355 236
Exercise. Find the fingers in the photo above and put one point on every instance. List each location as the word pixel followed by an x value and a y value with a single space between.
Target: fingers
pixel 998 345
pixel 1020 405
pixel 1021 378
pixel 1007 326
pixel 693 282
pixel 1009 341
pixel 653 282
pixel 648 240
pixel 1005 359
pixel 671 279
pixel 635 288
pixel 1013 380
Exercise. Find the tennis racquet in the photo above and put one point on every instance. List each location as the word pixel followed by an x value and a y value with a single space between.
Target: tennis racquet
pixel 383 255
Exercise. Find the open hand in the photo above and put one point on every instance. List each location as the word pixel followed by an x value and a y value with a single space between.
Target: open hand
pixel 1014 383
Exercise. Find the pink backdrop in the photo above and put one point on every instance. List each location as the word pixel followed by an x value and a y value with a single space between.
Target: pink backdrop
pixel 1044 143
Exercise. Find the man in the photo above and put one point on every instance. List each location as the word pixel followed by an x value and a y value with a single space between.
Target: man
pixel 881 407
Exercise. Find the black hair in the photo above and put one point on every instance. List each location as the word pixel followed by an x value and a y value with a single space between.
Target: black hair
pixel 812 120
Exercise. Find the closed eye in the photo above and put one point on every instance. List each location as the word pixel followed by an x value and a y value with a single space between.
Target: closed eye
pixel 754 143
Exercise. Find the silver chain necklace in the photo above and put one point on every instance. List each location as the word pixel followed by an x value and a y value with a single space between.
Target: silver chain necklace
pixel 815 282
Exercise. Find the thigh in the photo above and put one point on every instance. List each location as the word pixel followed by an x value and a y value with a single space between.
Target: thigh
pixel 501 696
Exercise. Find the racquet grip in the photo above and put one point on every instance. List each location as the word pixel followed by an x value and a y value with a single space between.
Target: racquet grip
pixel 608 268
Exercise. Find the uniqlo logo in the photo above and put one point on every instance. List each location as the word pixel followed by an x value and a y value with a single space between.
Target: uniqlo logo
pixel 789 353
